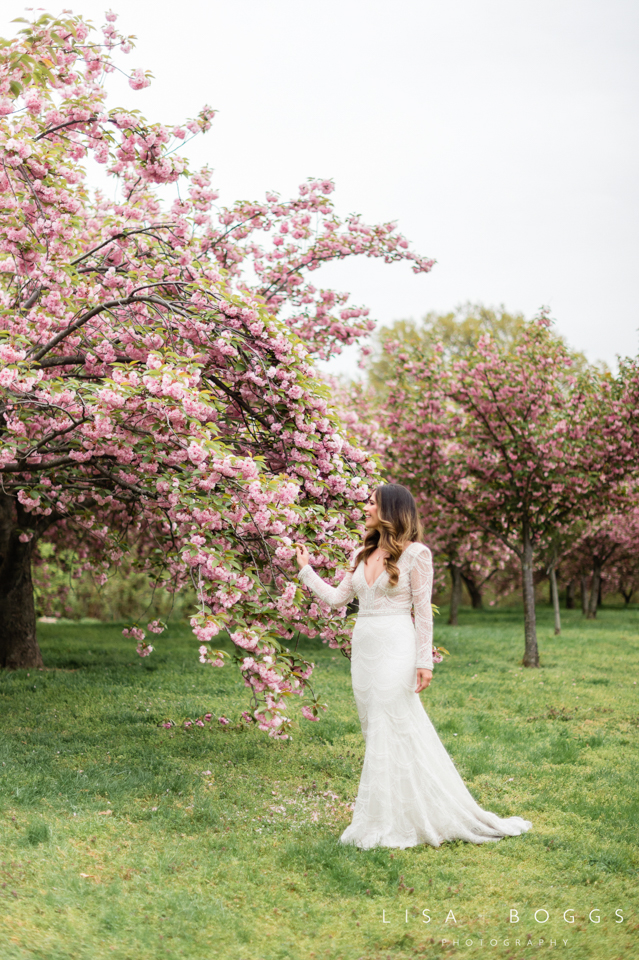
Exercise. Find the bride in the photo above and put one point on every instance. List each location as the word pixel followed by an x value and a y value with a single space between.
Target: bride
pixel 410 791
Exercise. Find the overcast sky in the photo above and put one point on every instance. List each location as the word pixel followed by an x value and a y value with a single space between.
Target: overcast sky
pixel 502 136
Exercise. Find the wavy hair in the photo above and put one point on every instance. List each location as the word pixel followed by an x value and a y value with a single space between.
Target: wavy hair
pixel 398 525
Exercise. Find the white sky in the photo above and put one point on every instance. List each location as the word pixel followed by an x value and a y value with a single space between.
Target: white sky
pixel 502 136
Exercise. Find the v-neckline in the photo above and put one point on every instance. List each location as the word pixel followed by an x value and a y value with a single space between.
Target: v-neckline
pixel 371 585
pixel 381 574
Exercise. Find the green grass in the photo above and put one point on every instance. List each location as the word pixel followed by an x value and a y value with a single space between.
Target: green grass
pixel 117 842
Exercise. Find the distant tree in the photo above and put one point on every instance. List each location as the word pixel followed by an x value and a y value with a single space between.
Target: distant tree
pixel 623 575
pixel 455 334
pixel 607 548
pixel 513 440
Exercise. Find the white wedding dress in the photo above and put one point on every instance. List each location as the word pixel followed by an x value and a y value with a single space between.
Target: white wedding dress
pixel 410 791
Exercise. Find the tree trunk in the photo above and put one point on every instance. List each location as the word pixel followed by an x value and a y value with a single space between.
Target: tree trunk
pixel 552 573
pixel 627 595
pixel 474 592
pixel 600 594
pixel 584 595
pixel 455 593
pixel 531 653
pixel 570 595
pixel 18 645
pixel 594 590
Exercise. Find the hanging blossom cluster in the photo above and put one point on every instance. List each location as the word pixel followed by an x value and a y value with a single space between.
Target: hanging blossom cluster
pixel 153 394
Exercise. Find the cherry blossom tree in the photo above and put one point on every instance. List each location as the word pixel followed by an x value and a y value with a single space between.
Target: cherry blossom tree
pixel 606 547
pixel 456 335
pixel 157 388
pixel 623 575
pixel 483 559
pixel 513 440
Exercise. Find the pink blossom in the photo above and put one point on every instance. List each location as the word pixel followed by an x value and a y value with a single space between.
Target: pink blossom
pixel 138 80
pixel 33 101
pixel 29 503
pixel 308 714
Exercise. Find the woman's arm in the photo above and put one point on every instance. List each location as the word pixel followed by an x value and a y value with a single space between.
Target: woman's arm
pixel 334 596
pixel 421 581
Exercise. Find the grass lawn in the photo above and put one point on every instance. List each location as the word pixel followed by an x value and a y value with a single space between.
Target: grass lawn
pixel 124 840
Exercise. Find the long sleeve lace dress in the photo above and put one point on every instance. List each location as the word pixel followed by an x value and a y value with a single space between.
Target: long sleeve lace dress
pixel 410 791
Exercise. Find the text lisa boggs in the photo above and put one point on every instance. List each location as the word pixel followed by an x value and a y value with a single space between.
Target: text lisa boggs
pixel 539 916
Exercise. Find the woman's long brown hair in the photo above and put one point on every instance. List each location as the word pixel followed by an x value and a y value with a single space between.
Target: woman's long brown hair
pixel 398 525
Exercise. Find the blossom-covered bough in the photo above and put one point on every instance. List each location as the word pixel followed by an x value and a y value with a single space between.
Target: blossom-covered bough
pixel 157 388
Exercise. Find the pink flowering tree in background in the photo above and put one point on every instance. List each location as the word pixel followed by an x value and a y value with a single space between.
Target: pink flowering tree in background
pixel 623 574
pixel 484 561
pixel 513 441
pixel 157 390
pixel 456 335
pixel 606 549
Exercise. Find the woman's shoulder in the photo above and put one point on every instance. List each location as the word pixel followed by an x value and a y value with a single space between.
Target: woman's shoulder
pixel 415 550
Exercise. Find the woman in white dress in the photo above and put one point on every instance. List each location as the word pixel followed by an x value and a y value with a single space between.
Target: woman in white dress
pixel 410 792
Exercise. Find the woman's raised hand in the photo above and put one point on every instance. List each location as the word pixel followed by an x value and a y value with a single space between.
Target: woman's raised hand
pixel 301 555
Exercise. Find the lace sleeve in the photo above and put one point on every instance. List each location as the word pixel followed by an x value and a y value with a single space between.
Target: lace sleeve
pixel 421 582
pixel 337 596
